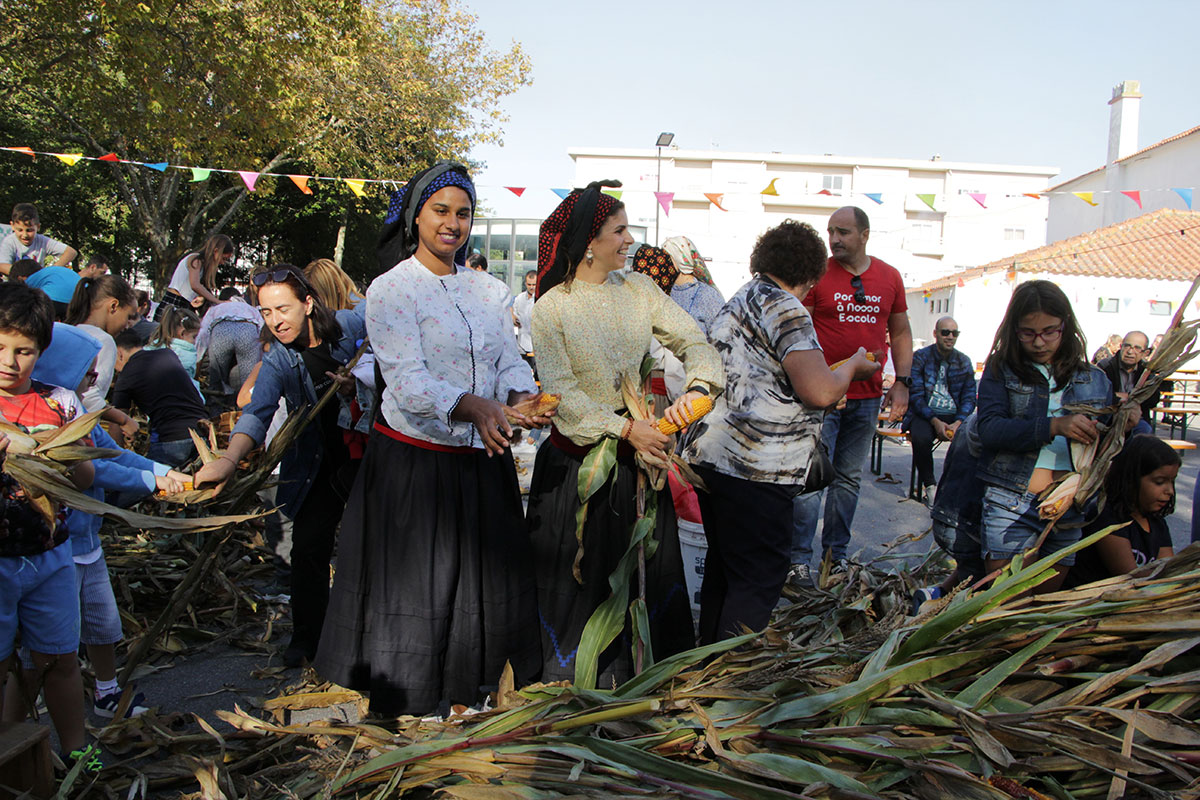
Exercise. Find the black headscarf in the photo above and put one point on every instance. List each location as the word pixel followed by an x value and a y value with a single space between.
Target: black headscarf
pixel 398 238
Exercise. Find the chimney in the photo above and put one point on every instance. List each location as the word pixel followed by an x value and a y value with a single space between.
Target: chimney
pixel 1123 120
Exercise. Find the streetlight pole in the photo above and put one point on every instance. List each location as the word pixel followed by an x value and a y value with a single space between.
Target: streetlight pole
pixel 664 140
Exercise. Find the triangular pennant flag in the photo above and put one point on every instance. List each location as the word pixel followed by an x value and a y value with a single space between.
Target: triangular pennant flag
pixel 517 190
pixel 961 283
pixel 1135 196
pixel 826 192
pixel 664 199
pixel 301 182
pixel 1186 194
pixel 771 188
pixel 248 178
pixel 927 199
pixel 1085 197
pixel 613 193
pixel 1034 195
pixel 716 199
pixel 113 157
pixel 925 294
pixel 356 186
pixel 160 166
pixel 200 174
pixel 562 193
pixel 876 196
pixel 978 198
pixel 70 159
pixel 26 150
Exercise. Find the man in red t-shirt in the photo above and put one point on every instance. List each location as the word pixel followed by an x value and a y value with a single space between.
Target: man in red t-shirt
pixel 858 302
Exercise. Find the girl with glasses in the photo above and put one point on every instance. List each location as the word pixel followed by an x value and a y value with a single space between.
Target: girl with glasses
pixel 308 344
pixel 1037 368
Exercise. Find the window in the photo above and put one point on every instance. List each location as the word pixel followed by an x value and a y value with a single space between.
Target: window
pixel 832 183
pixel 1015 235
pixel 1160 308
pixel 922 230
pixel 1107 305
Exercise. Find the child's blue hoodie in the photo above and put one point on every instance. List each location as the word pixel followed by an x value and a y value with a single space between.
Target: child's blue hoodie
pixel 64 363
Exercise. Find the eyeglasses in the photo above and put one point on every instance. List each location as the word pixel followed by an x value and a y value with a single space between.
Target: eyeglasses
pixel 1049 335
pixel 948 332
pixel 860 296
pixel 280 275
pixel 1137 348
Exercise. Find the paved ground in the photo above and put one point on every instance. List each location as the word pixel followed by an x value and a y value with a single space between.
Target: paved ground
pixel 218 677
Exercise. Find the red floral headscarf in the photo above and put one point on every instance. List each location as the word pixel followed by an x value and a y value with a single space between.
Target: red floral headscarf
pixel 564 235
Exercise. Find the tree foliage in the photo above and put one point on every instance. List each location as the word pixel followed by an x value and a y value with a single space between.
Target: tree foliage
pixel 351 88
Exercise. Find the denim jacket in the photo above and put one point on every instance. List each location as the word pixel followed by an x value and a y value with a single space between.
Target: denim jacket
pixel 1014 424
pixel 960 382
pixel 283 376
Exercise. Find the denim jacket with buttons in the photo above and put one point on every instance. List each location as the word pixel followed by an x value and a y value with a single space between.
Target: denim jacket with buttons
pixel 1014 424
pixel 284 377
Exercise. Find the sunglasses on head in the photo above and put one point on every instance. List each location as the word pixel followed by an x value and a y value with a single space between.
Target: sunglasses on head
pixel 280 275
pixel 948 332
pixel 860 296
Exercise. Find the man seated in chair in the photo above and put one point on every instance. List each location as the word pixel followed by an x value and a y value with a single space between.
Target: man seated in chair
pixel 941 397
pixel 1125 369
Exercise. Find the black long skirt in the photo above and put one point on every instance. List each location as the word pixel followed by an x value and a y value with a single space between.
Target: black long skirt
pixel 434 589
pixel 565 605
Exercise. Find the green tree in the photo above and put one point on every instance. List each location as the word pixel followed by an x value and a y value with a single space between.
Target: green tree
pixel 333 87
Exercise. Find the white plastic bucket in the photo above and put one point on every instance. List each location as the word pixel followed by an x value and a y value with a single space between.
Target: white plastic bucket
pixel 693 546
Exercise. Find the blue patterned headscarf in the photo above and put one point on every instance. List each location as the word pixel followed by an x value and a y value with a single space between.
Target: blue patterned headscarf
pixel 398 239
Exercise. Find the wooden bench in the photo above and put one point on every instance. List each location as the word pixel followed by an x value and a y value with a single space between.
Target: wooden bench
pixel 1180 445
pixel 1174 416
pixel 25 761
pixel 881 434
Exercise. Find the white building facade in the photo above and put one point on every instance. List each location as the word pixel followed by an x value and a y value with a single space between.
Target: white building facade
pixel 976 213
pixel 1154 172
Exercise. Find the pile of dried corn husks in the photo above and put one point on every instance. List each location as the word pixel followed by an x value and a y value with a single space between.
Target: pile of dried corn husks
pixel 1081 694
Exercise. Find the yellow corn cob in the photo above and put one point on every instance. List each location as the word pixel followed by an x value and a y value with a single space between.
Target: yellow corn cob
pixel 700 407
pixel 835 365
pixel 1055 504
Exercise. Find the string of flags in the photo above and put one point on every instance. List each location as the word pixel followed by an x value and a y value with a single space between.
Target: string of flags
pixel 665 200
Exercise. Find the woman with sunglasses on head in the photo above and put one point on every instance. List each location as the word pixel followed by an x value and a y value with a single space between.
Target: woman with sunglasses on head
pixel 592 324
pixel 434 591
pixel 308 345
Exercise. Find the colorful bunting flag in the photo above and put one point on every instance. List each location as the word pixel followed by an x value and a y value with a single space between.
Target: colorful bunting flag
pixel 664 199
pixel 716 198
pixel 771 188
pixel 1085 197
pixel 562 193
pixel 200 174
pixel 876 196
pixel 978 198
pixel 1186 194
pixel 26 150
pixel 158 166
pixel 301 182
pixel 248 178
pixel 110 157
pixel 961 283
pixel 927 199
pixel 356 186
pixel 1034 195
pixel 70 159
pixel 1135 196
pixel 826 192
pixel 613 193
pixel 517 190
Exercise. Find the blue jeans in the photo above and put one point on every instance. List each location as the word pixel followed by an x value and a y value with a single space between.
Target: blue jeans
pixel 847 436
pixel 174 453
pixel 1142 427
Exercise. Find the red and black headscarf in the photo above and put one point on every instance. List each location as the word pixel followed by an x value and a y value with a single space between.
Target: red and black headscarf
pixel 565 234
pixel 657 264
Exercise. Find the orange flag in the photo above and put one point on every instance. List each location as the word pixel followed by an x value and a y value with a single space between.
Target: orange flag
pixel 26 150
pixel 301 182
pixel 716 199
pixel 1034 195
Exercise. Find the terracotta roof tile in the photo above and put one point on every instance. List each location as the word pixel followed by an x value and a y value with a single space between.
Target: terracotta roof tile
pixel 1150 246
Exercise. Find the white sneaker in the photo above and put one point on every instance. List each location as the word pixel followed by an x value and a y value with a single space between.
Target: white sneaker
pixel 930 494
pixel 799 580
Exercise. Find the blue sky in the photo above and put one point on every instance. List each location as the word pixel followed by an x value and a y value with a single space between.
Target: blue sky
pixel 1012 82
